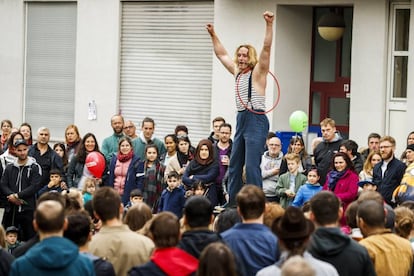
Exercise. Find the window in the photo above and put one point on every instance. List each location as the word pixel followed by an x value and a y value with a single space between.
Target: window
pixel 399 50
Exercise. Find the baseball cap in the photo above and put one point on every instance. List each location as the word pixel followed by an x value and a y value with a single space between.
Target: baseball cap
pixel 20 142
pixel 12 229
pixel 362 183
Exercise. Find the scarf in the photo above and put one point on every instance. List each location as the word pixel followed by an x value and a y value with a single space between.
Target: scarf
pixel 125 157
pixel 3 140
pixel 152 186
pixel 210 158
pixel 184 158
pixel 333 177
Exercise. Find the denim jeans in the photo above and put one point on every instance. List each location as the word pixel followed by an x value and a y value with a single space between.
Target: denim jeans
pixel 248 148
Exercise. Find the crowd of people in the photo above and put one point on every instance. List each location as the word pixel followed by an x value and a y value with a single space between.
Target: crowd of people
pixel 160 210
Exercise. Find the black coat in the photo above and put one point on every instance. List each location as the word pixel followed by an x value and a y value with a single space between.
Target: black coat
pixel 23 180
pixel 392 178
pixel 323 155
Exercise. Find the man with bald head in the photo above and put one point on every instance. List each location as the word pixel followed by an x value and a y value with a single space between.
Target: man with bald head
pixel 110 144
pixel 130 130
pixel 53 255
pixel 270 166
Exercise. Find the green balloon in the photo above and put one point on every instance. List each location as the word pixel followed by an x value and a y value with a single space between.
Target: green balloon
pixel 298 121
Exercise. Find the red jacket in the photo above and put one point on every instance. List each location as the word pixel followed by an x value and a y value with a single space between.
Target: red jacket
pixel 346 189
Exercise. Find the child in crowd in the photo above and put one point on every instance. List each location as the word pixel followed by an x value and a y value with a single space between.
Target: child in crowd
pixel 367 185
pixel 290 182
pixel 134 197
pixel 74 200
pixel 55 182
pixel 307 191
pixel 173 197
pixel 198 189
pixel 88 189
pixel 153 178
pixel 12 241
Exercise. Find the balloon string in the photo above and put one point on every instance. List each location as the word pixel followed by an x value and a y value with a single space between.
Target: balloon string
pixel 252 110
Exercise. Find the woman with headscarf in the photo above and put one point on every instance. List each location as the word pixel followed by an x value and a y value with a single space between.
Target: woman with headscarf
pixel 204 167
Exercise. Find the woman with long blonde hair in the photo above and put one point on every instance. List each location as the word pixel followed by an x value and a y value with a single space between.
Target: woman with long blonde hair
pixel 373 158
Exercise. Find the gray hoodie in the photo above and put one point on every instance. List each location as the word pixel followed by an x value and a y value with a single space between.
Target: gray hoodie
pixel 269 179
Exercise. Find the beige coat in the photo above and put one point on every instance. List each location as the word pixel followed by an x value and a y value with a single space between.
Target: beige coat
pixel 121 247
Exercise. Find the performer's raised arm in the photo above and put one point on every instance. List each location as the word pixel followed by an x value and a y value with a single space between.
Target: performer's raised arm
pixel 219 50
pixel 262 68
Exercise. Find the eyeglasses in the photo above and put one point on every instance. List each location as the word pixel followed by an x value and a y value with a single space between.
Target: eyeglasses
pixel 274 145
pixel 181 136
pixel 385 147
pixel 128 127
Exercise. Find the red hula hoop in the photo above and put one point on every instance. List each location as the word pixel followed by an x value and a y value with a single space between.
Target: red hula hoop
pixel 260 112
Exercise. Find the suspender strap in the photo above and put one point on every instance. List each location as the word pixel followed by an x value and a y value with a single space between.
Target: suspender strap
pixel 249 91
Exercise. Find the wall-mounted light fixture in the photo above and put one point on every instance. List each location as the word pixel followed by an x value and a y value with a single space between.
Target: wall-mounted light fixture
pixel 331 26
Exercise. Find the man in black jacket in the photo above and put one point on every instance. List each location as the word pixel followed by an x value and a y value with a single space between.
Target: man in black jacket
pixel 329 244
pixel 45 156
pixel 20 182
pixel 388 173
pixel 198 215
pixel 324 152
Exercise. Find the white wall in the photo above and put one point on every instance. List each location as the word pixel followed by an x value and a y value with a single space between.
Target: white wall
pixel 368 69
pixel 292 62
pixel 97 64
pixel 11 60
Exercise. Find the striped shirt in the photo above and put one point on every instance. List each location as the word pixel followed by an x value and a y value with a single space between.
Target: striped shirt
pixel 241 91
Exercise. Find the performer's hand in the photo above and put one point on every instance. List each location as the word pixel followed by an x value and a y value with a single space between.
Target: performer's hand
pixel 210 28
pixel 268 16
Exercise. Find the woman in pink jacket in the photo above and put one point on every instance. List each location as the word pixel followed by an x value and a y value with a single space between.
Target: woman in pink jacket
pixel 342 180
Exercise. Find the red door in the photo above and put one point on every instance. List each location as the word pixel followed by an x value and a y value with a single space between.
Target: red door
pixel 330 75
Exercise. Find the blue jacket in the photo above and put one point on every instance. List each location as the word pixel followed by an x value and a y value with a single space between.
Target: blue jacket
pixel 253 245
pixel 53 256
pixel 392 178
pixel 173 201
pixel 305 193
pixel 134 178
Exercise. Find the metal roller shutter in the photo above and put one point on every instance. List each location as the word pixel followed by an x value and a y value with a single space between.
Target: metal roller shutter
pixel 50 65
pixel 166 65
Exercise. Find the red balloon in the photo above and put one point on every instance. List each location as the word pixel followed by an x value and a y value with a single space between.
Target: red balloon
pixel 95 162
